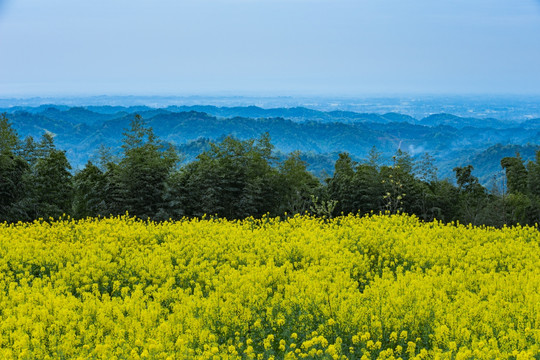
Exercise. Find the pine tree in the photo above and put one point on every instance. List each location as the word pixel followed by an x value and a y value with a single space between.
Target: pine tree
pixel 516 174
pixel 9 140
pixel 296 185
pixel 234 179
pixel 12 170
pixel 472 195
pixel 533 183
pixel 367 188
pixel 340 186
pixel 533 178
pixel 143 171
pixel 89 185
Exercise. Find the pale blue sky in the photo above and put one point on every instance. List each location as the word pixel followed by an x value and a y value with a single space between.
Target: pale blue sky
pixel 269 47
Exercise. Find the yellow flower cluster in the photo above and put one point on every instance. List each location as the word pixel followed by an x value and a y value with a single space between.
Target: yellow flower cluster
pixel 378 287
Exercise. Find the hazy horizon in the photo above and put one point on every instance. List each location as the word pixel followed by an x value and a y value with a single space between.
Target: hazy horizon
pixel 351 48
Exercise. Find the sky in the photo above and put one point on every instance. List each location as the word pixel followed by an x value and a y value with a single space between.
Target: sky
pixel 269 47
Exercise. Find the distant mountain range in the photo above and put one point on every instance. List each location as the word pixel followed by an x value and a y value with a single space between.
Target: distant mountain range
pixel 319 135
pixel 91 114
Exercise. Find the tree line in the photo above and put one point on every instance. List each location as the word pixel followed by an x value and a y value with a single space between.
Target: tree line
pixel 237 179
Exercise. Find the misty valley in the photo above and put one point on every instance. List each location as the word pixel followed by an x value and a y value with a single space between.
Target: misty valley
pixel 319 135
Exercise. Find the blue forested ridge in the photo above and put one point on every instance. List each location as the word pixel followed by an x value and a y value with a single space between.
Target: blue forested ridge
pixel 320 135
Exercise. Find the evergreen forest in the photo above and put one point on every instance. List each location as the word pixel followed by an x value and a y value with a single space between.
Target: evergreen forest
pixel 234 179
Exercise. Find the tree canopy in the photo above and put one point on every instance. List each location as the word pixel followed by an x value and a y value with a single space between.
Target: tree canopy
pixel 236 179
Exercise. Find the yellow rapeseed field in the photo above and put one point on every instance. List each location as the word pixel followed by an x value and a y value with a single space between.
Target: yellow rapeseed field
pixel 379 287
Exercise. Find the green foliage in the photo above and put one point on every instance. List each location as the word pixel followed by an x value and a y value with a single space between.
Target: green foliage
pixel 518 206
pixel 425 169
pixel 467 183
pixel 12 169
pixel 368 188
pixel 323 134
pixel 402 191
pixel 143 170
pixel 534 176
pixel 296 185
pixel 340 186
pixel 393 180
pixel 322 208
pixel 240 178
pixel 52 195
pixel 35 178
pixel 472 196
pixel 89 185
pixel 516 174
pixel 9 140
pixel 113 191
pixel 234 179
pixel 441 201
